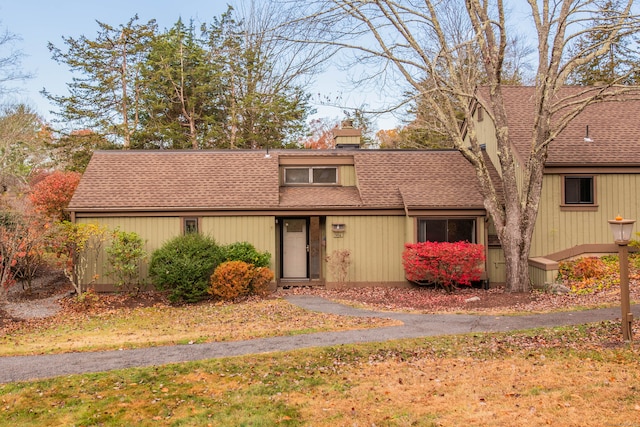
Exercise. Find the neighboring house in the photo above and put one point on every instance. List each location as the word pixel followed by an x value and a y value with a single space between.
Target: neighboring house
pixel 299 205
pixel 592 174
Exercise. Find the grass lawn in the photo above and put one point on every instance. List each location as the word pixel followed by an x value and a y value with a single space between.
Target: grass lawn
pixel 574 376
pixel 92 330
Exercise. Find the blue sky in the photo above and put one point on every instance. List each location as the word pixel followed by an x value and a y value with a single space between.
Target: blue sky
pixel 39 22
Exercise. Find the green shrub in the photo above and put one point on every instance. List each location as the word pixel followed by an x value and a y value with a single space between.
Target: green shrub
pixel 237 279
pixel 125 254
pixel 184 265
pixel 244 251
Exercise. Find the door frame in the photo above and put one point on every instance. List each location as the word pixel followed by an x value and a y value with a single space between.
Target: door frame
pixel 282 221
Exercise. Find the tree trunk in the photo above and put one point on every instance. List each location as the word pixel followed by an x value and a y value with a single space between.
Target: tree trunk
pixel 517 269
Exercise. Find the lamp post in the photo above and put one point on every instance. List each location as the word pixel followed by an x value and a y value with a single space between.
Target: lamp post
pixel 621 229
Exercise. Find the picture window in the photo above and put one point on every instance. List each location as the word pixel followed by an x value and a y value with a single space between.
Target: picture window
pixel 447 230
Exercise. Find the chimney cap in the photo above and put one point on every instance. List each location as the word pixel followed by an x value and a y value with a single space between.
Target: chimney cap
pixel 347 132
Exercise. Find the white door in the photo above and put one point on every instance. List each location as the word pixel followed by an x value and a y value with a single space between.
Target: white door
pixel 294 249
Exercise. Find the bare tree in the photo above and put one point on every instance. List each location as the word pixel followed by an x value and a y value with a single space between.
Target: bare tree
pixel 22 146
pixel 266 73
pixel 10 60
pixel 442 49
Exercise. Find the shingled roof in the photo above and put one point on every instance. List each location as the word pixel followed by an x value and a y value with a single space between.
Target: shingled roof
pixel 417 179
pixel 160 180
pixel 613 129
pixel 245 180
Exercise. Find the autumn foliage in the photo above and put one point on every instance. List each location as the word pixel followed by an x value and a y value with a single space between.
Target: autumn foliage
pixel 321 137
pixel 235 279
pixel 22 241
pixel 77 248
pixel 443 263
pixel 52 195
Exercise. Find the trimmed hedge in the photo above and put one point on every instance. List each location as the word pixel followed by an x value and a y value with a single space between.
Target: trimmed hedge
pixel 184 265
pixel 245 251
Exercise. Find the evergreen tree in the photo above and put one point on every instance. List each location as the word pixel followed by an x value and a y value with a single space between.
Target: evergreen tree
pixel 105 97
pixel 180 104
pixel 263 107
pixel 617 62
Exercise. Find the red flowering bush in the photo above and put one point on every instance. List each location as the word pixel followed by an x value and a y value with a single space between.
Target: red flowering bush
pixel 443 263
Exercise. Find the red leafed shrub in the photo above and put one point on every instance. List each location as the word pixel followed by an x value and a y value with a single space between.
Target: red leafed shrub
pixel 443 263
pixel 236 279
pixel 52 195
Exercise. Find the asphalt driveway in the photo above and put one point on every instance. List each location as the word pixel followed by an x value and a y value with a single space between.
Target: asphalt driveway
pixel 24 368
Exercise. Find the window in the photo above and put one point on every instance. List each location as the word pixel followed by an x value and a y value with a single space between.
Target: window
pixel 296 175
pixel 311 175
pixel 578 190
pixel 324 175
pixel 189 225
pixel 447 230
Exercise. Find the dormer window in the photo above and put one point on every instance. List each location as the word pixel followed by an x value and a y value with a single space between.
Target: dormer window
pixel 310 175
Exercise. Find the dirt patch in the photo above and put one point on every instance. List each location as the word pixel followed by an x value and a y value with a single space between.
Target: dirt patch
pixel 51 293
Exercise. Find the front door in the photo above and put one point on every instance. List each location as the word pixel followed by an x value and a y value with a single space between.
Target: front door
pixel 294 248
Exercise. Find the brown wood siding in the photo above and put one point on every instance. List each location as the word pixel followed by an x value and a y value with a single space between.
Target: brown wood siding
pixel 376 245
pixel 558 229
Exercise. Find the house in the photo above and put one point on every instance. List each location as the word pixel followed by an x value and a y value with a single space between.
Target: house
pixel 592 175
pixel 299 205
pixel 302 205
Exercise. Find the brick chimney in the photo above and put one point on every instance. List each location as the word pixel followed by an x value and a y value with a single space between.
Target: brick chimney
pixel 347 138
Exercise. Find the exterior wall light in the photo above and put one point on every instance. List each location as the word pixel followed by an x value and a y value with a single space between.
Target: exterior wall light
pixel 621 229
pixel 338 229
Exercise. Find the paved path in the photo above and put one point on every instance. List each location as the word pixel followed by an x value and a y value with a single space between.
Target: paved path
pixel 23 368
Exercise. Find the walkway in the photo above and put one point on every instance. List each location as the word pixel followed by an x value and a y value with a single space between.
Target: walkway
pixel 23 368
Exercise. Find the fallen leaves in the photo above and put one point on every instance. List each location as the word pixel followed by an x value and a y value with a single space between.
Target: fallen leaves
pixel 470 300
